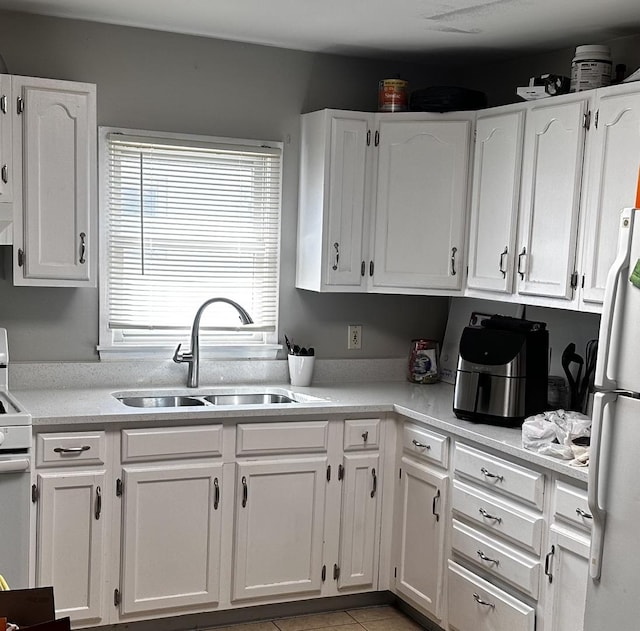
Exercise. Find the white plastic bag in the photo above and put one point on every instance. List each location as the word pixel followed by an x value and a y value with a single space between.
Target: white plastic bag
pixel 553 433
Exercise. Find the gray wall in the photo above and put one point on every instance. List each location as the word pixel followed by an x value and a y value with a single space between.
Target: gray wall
pixel 169 82
pixel 178 83
pixel 499 80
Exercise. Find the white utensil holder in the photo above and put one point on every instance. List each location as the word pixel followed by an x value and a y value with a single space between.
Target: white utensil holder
pixel 301 369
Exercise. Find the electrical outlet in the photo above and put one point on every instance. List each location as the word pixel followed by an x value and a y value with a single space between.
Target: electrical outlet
pixel 354 340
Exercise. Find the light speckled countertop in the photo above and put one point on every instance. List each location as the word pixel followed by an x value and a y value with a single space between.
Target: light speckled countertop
pixel 64 408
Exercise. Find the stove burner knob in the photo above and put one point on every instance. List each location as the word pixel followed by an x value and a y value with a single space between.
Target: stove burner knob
pixel 2 436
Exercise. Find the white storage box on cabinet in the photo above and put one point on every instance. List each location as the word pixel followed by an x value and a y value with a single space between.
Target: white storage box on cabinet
pixel 55 193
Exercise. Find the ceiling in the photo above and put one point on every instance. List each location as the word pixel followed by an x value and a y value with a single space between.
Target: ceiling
pixel 403 30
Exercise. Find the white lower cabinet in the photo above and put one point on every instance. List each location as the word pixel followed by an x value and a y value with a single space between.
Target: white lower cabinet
pixel 152 522
pixel 567 560
pixel 359 522
pixel 422 511
pixel 73 512
pixel 278 538
pixel 171 528
pixel 71 529
pixel 566 576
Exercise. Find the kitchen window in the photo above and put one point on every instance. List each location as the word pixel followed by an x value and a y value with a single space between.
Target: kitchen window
pixel 185 219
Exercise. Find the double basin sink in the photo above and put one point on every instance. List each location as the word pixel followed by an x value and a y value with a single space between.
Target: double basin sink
pixel 259 396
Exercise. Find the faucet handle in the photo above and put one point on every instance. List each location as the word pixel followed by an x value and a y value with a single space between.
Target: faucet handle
pixel 179 357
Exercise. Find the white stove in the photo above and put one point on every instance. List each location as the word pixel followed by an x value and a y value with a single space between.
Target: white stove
pixel 15 476
pixel 15 422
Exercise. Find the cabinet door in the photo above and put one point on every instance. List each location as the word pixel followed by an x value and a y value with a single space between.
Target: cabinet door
pixel 359 521
pixel 344 246
pixel 6 166
pixel 55 147
pixel 335 157
pixel 423 515
pixel 494 204
pixel 549 204
pixel 420 203
pixel 70 543
pixel 280 507
pixel 566 579
pixel 171 537
pixel 611 182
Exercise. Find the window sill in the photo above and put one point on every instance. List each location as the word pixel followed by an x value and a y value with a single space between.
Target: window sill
pixel 239 352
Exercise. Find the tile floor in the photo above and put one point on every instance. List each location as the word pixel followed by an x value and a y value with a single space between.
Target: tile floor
pixel 384 618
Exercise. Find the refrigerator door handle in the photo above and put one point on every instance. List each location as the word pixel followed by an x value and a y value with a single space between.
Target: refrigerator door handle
pixel 620 263
pixel 601 401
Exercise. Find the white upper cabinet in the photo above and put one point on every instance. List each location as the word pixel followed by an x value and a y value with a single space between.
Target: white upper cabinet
pixel 54 153
pixel 550 199
pixel 614 157
pixel 421 199
pixel 382 201
pixel 6 171
pixel 333 167
pixel 579 169
pixel 494 205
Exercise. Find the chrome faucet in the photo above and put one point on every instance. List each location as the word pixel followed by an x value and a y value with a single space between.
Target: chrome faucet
pixel 193 357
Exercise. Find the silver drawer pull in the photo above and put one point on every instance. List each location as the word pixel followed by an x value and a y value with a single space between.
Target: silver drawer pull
pixel 487 474
pixel 420 445
pixel 583 514
pixel 72 450
pixel 484 557
pixel 484 603
pixel 489 515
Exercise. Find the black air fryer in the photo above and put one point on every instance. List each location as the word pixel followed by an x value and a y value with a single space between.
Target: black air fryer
pixel 502 371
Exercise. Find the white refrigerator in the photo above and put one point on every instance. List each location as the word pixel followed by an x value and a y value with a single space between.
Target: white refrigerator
pixel 613 592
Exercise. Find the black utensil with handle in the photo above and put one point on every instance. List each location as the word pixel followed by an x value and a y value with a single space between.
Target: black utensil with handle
pixel 569 356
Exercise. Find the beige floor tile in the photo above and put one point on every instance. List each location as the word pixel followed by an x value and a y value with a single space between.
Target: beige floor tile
pixel 366 614
pixel 392 624
pixel 262 625
pixel 317 621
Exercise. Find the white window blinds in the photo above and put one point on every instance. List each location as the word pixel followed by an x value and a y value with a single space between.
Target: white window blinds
pixel 189 221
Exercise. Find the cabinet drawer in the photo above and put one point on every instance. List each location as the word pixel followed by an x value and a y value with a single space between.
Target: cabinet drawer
pixel 140 445
pixel 501 517
pixel 425 444
pixel 70 448
pixel 571 506
pixel 500 559
pixel 477 605
pixel 500 475
pixel 274 438
pixel 362 434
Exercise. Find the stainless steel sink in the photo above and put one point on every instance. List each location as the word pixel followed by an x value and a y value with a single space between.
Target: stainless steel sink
pixel 226 397
pixel 160 402
pixel 260 398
